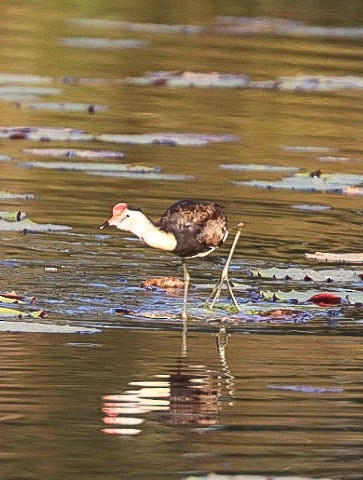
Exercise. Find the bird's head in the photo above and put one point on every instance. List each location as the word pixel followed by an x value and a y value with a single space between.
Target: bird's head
pixel 123 217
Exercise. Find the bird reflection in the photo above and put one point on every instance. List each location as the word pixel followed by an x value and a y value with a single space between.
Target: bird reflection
pixel 188 394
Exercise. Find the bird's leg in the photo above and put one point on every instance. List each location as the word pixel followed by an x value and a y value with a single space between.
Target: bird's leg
pixel 186 286
pixel 184 346
pixel 214 296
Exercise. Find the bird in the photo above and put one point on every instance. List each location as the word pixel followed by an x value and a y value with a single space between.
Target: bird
pixel 188 228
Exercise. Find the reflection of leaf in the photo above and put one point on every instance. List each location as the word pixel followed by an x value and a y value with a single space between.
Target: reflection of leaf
pixel 308 274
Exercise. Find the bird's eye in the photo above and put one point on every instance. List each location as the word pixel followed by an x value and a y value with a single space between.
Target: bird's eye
pixel 127 216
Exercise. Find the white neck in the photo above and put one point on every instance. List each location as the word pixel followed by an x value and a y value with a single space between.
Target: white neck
pixel 151 235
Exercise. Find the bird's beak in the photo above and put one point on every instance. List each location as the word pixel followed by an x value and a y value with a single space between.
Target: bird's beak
pixel 104 225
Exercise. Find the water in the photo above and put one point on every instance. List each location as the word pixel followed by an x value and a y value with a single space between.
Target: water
pixel 273 391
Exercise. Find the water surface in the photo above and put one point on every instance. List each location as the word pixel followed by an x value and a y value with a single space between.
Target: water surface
pixel 276 395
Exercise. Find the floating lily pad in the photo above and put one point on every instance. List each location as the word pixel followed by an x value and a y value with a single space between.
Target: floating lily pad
pixel 22 90
pixel 306 149
pixel 42 327
pixel 19 78
pixel 257 168
pixel 311 208
pixel 67 107
pixel 323 299
pixel 167 139
pixel 187 79
pixel 146 176
pixel 231 25
pixel 334 159
pixel 90 42
pixel 91 167
pixel 336 257
pixel 333 183
pixel 45 134
pixel 74 153
pixel 16 196
pixel 137 26
pixel 7 312
pixel 306 389
pixel 308 274
pixel 354 191
pixel 14 216
pixel 20 223
pixel 319 83
pixel 191 79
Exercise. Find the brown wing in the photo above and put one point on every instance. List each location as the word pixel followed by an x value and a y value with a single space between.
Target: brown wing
pixel 198 225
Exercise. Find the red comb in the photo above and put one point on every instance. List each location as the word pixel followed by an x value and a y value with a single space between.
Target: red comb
pixel 118 208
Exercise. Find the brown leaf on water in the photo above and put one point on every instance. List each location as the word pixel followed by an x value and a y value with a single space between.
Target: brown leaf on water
pixel 165 282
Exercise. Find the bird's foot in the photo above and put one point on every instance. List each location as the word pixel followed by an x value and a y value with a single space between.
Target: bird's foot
pixel 216 293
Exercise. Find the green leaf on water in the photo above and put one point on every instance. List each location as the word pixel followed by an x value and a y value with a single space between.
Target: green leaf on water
pixel 17 222
pixel 347 296
pixel 308 274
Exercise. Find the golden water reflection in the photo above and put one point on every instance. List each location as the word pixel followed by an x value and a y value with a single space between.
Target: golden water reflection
pixel 190 394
